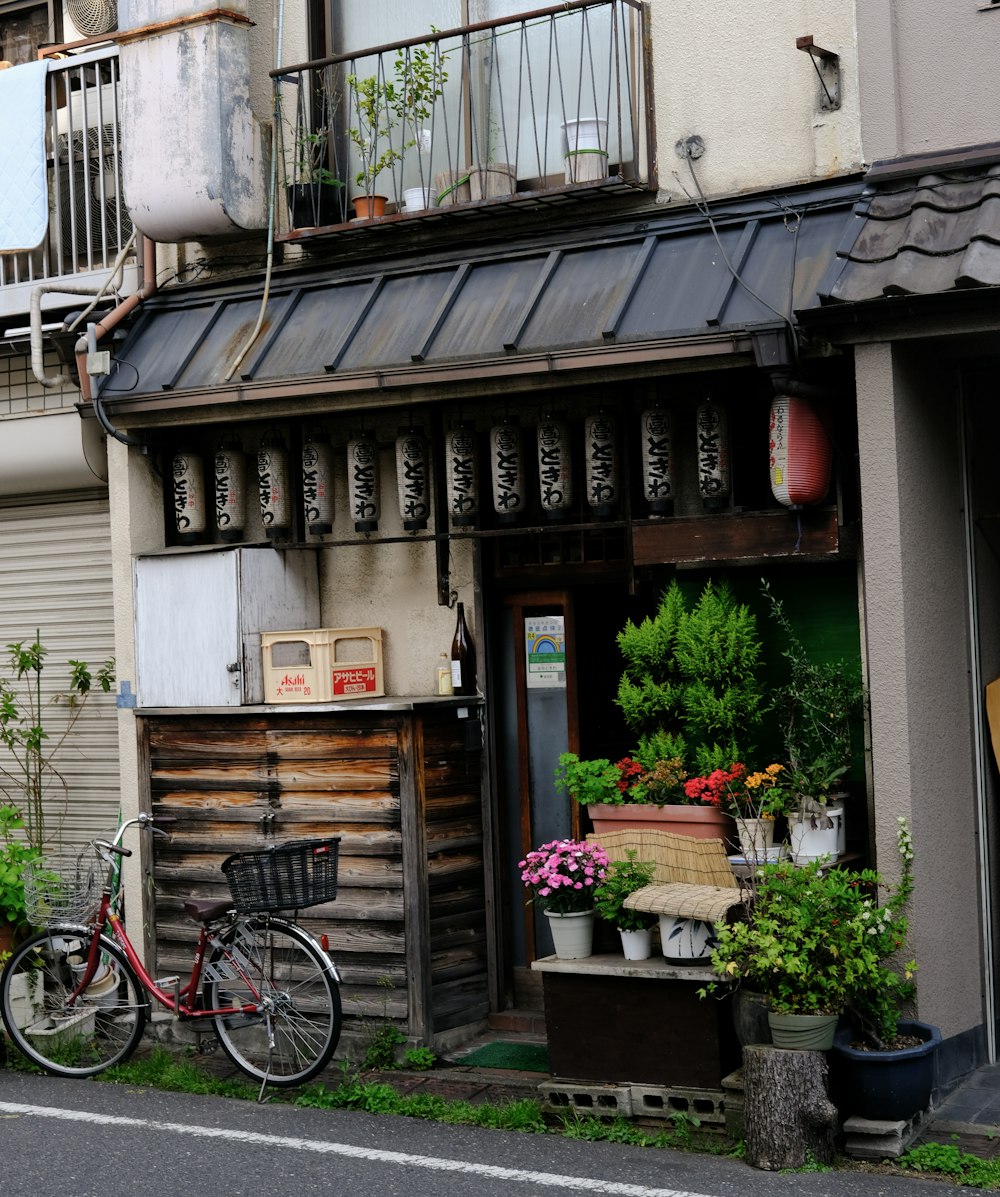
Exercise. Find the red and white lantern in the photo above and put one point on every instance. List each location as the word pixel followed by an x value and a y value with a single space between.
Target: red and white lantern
pixel 800 452
pixel 714 466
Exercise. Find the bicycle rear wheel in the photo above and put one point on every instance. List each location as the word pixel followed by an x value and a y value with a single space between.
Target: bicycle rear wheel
pixel 273 966
pixel 102 1027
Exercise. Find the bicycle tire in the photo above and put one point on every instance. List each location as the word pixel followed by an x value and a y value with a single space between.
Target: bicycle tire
pixel 276 966
pixel 106 1022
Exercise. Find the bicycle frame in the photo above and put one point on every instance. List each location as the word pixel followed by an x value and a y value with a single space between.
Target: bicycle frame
pixel 182 1001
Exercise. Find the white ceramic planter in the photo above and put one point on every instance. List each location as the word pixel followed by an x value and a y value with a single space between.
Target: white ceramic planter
pixel 686 941
pixel 417 199
pixel 816 843
pixel 636 945
pixel 586 149
pixel 572 934
pixel 756 837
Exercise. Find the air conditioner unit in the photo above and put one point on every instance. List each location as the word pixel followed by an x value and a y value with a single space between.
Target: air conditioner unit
pixel 88 186
pixel 93 17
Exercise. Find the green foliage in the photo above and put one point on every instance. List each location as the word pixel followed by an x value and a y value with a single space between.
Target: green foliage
pixel 14 854
pixel 816 708
pixel 945 1159
pixel 816 942
pixel 690 686
pixel 590 782
pixel 624 877
pixel 417 1059
pixel 29 773
pixel 380 105
pixel 161 1070
pixel 591 1129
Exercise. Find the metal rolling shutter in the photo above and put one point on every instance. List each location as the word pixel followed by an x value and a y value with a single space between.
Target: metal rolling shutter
pixel 55 576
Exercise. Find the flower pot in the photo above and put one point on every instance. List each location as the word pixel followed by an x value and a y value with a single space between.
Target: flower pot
pixel 367 207
pixel 491 179
pixel 686 941
pixel 803 1032
pixel 756 837
pixel 572 934
pixel 586 149
pixel 699 822
pixel 417 199
pixel 750 1017
pixel 636 945
pixel 313 205
pixel 891 1085
pixel 833 806
pixel 815 843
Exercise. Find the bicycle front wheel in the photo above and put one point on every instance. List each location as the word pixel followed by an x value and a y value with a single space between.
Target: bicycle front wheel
pixel 102 1027
pixel 293 1026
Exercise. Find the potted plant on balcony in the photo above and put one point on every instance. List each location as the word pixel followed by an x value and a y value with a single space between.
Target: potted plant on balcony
pixel 817 708
pixel 314 193
pixel 625 877
pixel 420 77
pixel 563 876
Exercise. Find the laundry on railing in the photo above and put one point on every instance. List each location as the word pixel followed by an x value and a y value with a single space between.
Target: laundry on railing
pixel 24 195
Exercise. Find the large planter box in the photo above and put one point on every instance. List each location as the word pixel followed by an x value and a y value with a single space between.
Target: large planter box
pixel 642 1022
pixel 699 822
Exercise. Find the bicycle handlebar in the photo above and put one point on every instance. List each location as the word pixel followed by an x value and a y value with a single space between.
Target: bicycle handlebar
pixel 144 820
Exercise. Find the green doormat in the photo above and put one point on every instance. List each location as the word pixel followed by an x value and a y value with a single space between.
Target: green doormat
pixel 525 1057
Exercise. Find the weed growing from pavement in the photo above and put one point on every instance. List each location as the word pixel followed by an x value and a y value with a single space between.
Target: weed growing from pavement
pixel 946 1159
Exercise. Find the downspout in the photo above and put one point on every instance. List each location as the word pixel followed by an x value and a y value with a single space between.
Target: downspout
pixel 87 344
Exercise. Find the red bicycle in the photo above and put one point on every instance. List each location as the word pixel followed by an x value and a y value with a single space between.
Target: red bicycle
pixel 74 996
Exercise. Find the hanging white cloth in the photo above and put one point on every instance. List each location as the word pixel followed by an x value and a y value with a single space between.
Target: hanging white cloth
pixel 24 190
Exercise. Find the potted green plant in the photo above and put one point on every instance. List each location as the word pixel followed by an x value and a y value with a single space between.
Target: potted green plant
pixel 625 877
pixel 817 708
pixel 562 877
pixel 883 1062
pixel 420 77
pixel 815 941
pixel 753 799
pixel 314 192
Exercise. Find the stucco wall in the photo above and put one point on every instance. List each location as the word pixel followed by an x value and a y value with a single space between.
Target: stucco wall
pixel 916 634
pixel 737 81
pixel 927 75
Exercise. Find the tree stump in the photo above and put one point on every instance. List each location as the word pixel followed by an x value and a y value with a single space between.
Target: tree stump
pixel 788 1116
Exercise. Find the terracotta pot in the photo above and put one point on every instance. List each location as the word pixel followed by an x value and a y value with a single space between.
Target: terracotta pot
pixel 367 207
pixel 699 822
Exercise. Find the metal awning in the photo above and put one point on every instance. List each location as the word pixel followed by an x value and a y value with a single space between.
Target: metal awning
pixel 658 286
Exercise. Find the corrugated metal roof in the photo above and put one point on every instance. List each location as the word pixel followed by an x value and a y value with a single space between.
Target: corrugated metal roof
pixel 663 277
pixel 931 233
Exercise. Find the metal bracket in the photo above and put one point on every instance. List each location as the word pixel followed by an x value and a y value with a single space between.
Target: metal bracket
pixel 827 66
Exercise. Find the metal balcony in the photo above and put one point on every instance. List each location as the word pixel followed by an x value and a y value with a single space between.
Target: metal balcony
pixel 546 106
pixel 88 223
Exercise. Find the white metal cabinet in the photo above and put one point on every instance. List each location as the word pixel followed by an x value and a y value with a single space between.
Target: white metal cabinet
pixel 199 616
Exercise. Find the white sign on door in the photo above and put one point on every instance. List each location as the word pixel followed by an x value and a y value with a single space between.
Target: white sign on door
pixel 545 651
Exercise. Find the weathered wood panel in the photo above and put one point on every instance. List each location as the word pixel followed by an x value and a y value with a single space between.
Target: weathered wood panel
pixel 238 782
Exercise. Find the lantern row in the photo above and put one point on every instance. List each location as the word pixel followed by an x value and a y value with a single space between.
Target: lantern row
pixel 799 466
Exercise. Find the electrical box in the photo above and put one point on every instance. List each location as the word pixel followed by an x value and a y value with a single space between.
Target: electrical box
pixel 199 618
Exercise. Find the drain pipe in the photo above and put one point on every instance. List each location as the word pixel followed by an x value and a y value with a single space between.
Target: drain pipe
pixel 35 313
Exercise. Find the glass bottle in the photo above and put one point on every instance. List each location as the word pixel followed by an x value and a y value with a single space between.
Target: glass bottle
pixel 463 657
pixel 443 682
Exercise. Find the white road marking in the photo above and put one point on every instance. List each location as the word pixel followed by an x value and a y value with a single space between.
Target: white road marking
pixel 554 1180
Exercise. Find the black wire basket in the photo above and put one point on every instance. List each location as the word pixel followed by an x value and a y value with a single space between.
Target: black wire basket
pixel 285 877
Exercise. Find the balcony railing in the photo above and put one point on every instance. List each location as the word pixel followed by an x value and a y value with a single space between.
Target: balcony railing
pixel 88 223
pixel 558 99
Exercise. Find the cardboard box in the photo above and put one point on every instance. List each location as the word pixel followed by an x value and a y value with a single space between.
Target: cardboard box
pixel 322 664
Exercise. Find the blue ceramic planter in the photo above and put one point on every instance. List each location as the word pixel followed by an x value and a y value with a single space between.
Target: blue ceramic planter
pixel 892 1085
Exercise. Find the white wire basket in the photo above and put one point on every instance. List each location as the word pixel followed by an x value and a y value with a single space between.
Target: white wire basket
pixel 63 887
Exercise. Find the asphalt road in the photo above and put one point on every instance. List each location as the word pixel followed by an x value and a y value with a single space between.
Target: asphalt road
pixel 92 1139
